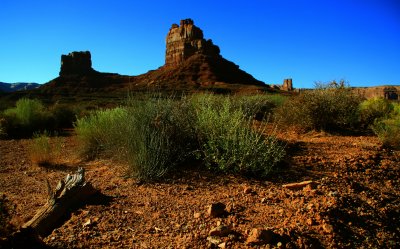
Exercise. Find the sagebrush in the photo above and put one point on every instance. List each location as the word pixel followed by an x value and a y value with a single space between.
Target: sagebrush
pixel 330 107
pixel 156 134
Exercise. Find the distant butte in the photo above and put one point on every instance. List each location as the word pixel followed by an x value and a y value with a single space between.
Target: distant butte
pixel 192 60
pixel 76 63
pixel 191 63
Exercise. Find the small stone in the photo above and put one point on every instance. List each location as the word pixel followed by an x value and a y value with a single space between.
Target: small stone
pixel 197 215
pixel 220 231
pixel 222 245
pixel 247 190
pixel 87 223
pixel 264 200
pixel 216 209
pixel 214 240
pixel 327 228
pixel 260 236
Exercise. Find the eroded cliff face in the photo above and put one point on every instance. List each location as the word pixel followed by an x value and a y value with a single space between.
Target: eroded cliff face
pixel 76 63
pixel 186 40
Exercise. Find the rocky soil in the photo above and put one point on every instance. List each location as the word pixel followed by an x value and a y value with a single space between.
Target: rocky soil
pixel 353 200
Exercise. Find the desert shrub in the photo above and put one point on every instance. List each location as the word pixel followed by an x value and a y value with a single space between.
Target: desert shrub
pixel 101 131
pixel 388 129
pixel 27 117
pixel 155 135
pixel 373 109
pixel 329 107
pixel 43 151
pixel 63 115
pixel 227 141
pixel 160 135
pixel 258 106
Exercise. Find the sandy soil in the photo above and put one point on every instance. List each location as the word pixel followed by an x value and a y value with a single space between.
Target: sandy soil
pixel 355 202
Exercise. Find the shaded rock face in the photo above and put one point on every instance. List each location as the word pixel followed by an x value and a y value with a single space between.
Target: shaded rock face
pixel 186 40
pixel 387 92
pixel 76 63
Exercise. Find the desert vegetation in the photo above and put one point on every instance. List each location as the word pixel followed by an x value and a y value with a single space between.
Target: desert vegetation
pixel 156 134
pixel 43 150
pixel 192 148
pixel 331 107
pixel 31 116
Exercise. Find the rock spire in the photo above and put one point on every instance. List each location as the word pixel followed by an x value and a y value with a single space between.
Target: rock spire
pixel 76 63
pixel 186 40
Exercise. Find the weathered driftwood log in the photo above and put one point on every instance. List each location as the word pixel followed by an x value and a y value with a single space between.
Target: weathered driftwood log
pixel 69 193
pixel 298 185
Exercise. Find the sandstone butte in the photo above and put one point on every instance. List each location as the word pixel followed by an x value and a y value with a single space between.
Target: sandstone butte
pixel 191 63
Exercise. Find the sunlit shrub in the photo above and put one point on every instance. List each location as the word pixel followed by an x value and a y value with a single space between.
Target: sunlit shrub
pixel 258 106
pixel 388 129
pixel 373 109
pixel 329 107
pixel 101 131
pixel 156 134
pixel 228 142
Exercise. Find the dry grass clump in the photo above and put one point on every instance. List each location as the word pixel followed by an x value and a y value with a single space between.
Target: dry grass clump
pixel 43 150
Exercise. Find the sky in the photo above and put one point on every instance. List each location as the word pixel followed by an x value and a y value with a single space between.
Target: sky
pixel 307 40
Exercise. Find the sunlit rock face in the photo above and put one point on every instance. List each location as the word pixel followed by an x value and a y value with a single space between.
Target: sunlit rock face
pixel 186 40
pixel 76 63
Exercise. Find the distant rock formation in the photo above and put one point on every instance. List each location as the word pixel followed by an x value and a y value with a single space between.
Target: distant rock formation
pixel 76 63
pixel 186 40
pixel 287 85
pixel 20 86
pixel 192 63
pixel 387 92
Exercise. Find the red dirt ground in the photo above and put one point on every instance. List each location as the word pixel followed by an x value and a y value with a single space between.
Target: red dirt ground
pixel 355 203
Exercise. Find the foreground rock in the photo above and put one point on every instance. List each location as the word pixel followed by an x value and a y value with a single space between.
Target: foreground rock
pixel 260 236
pixel 216 209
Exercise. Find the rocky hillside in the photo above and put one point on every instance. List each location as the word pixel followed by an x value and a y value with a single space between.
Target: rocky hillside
pixel 191 63
pixel 12 87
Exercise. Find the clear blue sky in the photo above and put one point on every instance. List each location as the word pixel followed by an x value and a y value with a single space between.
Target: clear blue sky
pixel 309 41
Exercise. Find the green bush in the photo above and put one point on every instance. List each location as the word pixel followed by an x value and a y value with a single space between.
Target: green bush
pixel 373 109
pixel 329 107
pixel 258 106
pixel 161 136
pixel 27 117
pixel 101 131
pixel 30 116
pixel 388 129
pixel 155 135
pixel 63 115
pixel 228 142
